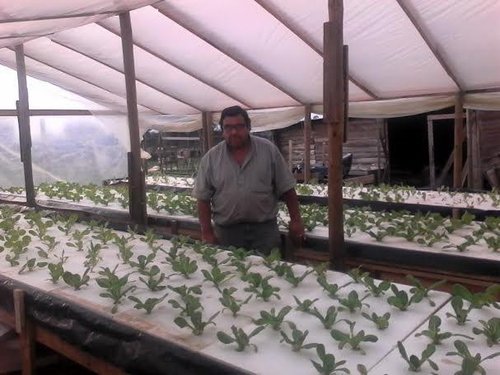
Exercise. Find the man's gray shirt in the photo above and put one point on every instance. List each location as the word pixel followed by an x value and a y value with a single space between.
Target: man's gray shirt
pixel 243 194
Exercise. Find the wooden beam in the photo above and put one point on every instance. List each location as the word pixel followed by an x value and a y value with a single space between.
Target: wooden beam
pixel 24 328
pixel 215 85
pixel 430 144
pixel 458 142
pixel 137 190
pixel 151 86
pixel 432 45
pixel 468 162
pixel 280 17
pixel 346 91
pixel 477 177
pixel 206 132
pixel 334 96
pixel 163 9
pixel 24 126
pixel 307 143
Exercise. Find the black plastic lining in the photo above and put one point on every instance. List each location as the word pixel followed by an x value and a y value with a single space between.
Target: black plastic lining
pixel 395 206
pixel 130 349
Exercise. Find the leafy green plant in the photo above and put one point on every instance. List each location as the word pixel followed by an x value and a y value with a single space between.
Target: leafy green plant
pixel 196 322
pixel 400 299
pixel 304 306
pixel 471 364
pixel 104 234
pixel 381 321
pixel 415 363
pixel 154 280
pixel 357 275
pixel 230 302
pixel 31 265
pixel 75 280
pixel 148 305
pixel 434 332
pixel 272 318
pixel 151 239
pixel 461 314
pixel 67 223
pixel 296 339
pixel 124 248
pixel 93 256
pixel 374 289
pixel 239 337
pixel 331 289
pixel 420 291
pixel 56 271
pixel 260 286
pixel 216 276
pixel 50 244
pixel 353 302
pixel 490 329
pixel 354 340
pixel 293 279
pixel 328 365
pixel 184 265
pixel 480 299
pixel 78 239
pixel 116 287
pixel 329 319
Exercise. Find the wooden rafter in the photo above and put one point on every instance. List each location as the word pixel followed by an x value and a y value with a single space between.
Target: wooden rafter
pixel 212 85
pixel 81 79
pixel 302 36
pixel 258 72
pixel 151 86
pixel 430 43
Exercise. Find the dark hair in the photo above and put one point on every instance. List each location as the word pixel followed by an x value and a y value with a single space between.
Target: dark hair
pixel 235 110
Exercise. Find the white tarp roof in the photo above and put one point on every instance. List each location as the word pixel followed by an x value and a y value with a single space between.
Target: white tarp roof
pixel 405 56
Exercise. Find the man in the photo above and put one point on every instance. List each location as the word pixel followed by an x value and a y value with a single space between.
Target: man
pixel 239 183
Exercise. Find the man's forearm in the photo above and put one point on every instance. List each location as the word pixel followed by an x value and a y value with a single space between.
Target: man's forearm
pixel 205 216
pixel 292 203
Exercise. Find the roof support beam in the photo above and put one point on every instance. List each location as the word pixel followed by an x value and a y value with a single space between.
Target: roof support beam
pixel 24 126
pixel 255 70
pixel 122 72
pixel 307 143
pixel 81 79
pixel 137 186
pixel 334 96
pixel 191 74
pixel 268 8
pixel 59 112
pixel 430 43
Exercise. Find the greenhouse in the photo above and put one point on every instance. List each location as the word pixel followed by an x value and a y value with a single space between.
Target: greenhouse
pixel 130 132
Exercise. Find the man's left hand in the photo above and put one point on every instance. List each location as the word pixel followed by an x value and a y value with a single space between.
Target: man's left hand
pixel 296 232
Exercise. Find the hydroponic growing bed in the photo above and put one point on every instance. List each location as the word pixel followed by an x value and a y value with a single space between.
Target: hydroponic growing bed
pixel 170 301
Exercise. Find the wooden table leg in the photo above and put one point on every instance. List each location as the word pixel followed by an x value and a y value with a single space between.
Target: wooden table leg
pixel 26 334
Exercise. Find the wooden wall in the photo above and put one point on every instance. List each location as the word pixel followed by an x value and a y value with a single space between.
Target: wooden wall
pixel 366 140
pixel 489 144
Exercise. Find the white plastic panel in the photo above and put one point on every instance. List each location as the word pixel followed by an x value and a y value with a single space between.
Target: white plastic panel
pixel 256 37
pixel 197 57
pixel 105 46
pixel 467 35
pixel 94 72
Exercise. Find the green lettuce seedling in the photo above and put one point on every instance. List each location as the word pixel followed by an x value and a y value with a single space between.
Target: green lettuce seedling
pixel 415 363
pixel 217 277
pixel 124 249
pixel 460 313
pixel 154 280
pixel 184 265
pixel 435 334
pixel 75 280
pixel 331 289
pixel 381 321
pixel 115 286
pixel 471 364
pixel 490 329
pixel 149 304
pixel 304 306
pixel 352 302
pixel 374 289
pixel 31 265
pixel 272 318
pixel 196 322
pixel 400 299
pixel 354 340
pixel 56 271
pixel 239 337
pixel 260 286
pixel 329 319
pixel 297 339
pixel 328 365
pixel 142 263
pixel 230 302
pixel 480 299
pixel 293 279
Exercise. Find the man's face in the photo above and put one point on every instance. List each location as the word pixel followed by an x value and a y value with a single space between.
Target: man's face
pixel 235 131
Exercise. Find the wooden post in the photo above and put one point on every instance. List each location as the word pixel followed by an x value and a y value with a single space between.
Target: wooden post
pixel 477 179
pixel 468 162
pixel 24 126
pixel 334 97
pixel 206 132
pixel 432 163
pixel 137 189
pixel 24 329
pixel 346 91
pixel 458 142
pixel 307 143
